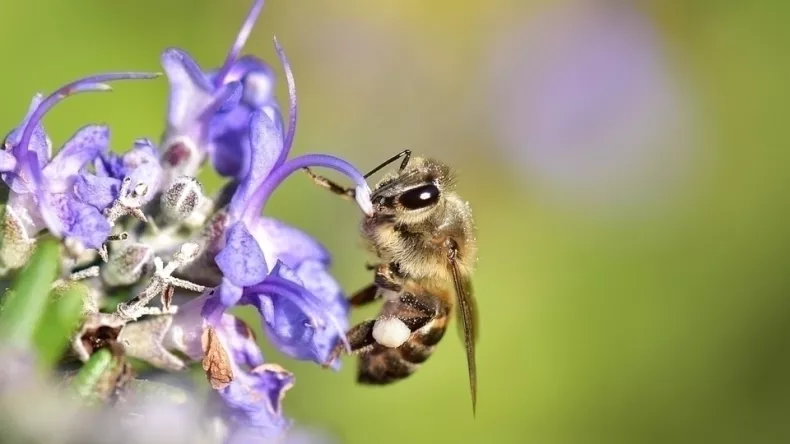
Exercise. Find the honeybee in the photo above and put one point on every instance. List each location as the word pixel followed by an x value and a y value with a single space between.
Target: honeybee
pixel 423 235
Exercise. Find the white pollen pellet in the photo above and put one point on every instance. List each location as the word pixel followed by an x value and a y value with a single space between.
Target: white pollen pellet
pixel 390 332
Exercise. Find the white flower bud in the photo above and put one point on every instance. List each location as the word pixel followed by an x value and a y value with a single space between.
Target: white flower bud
pixel 181 199
pixel 126 265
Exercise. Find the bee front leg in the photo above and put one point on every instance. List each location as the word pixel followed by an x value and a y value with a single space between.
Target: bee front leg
pixel 321 181
pixel 364 296
pixel 388 277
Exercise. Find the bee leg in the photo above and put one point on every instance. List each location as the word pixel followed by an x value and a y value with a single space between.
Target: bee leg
pixel 360 338
pixel 364 296
pixel 347 193
pixel 387 277
pixel 414 312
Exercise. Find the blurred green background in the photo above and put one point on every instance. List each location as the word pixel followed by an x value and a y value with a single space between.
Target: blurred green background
pixel 626 162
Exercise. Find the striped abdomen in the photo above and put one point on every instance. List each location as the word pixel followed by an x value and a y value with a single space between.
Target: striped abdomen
pixel 383 365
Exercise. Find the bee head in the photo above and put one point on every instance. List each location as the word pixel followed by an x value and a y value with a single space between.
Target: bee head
pixel 412 195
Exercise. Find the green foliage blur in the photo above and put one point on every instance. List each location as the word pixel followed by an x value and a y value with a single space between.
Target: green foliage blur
pixel 665 320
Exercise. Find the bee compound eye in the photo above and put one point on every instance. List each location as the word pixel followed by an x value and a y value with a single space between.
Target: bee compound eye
pixel 390 332
pixel 419 197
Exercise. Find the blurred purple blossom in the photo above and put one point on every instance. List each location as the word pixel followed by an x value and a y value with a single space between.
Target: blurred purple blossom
pixel 586 99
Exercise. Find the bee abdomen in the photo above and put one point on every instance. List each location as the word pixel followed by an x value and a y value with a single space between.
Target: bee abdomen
pixel 387 365
pixel 384 367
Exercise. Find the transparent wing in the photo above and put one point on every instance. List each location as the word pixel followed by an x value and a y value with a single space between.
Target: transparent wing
pixel 468 315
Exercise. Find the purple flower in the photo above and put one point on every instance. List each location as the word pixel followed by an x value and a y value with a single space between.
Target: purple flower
pixel 277 269
pixel 252 402
pixel 208 112
pixel 42 193
pixel 140 164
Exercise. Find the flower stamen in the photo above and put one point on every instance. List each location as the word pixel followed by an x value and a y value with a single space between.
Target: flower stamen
pixel 292 105
pixel 161 284
pixel 238 44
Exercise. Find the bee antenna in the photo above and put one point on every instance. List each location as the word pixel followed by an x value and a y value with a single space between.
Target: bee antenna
pixel 406 154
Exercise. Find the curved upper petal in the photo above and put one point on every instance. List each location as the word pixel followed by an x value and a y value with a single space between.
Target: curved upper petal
pixel 266 142
pixel 190 90
pixel 81 149
pixel 40 146
pixel 39 141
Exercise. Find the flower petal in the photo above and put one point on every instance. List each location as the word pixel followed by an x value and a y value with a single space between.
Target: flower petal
pixel 84 146
pixel 39 141
pixel 259 84
pixel 240 341
pixel 254 402
pixel 266 142
pixel 141 164
pixel 287 244
pixel 229 295
pixel 97 191
pixel 20 181
pixel 7 161
pixel 242 262
pixel 74 219
pixel 89 226
pixel 317 280
pixel 230 135
pixel 299 323
pixel 190 90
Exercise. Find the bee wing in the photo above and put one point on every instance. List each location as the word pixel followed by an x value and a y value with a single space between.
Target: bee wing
pixel 470 298
pixel 468 315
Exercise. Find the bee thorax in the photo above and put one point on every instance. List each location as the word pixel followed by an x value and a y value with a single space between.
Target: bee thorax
pixel 391 332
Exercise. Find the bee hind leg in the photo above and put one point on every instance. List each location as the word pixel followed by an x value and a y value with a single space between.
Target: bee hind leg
pixel 390 330
pixel 360 338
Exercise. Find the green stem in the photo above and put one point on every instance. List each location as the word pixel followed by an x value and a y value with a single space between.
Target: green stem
pixel 56 327
pixel 24 305
pixel 90 375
